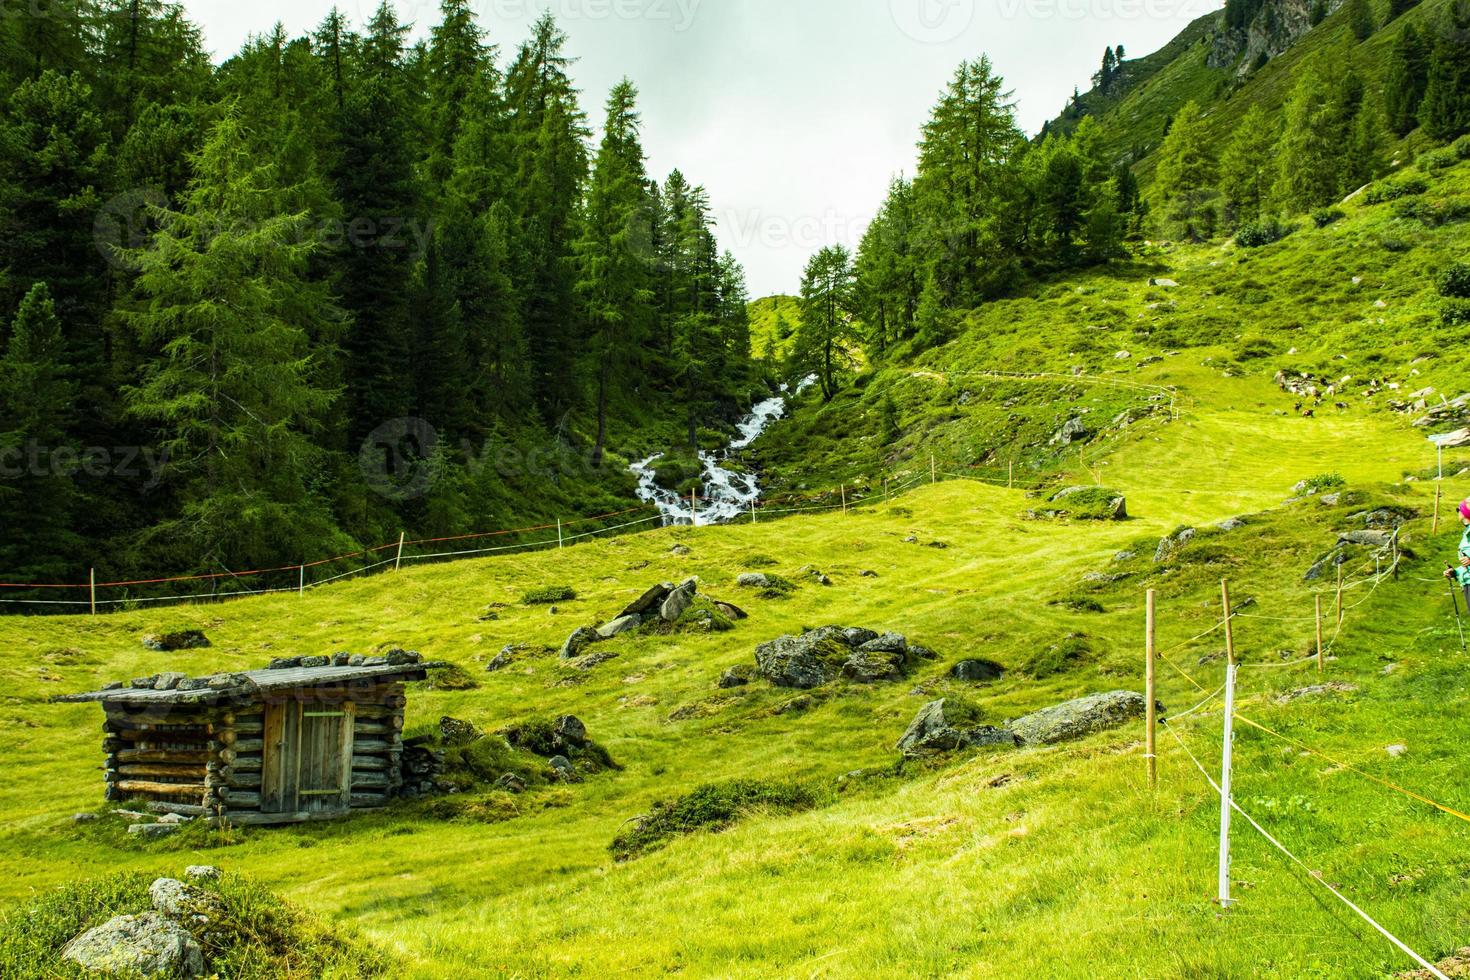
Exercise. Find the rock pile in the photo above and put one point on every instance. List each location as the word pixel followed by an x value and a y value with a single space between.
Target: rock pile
pixel 821 656
pixel 156 942
pixel 665 603
pixel 950 724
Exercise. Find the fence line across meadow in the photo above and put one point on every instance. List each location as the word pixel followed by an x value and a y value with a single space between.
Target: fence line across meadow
pixel 1234 665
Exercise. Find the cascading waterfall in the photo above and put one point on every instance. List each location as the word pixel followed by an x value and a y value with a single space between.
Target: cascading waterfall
pixel 726 494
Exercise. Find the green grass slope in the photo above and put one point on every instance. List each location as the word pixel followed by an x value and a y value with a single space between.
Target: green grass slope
pixel 1042 862
pixel 765 340
pixel 1354 303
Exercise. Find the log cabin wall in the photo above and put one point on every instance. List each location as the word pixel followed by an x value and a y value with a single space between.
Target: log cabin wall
pixel 162 756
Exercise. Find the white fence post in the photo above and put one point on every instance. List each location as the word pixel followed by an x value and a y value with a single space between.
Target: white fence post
pixel 560 542
pixel 301 580
pixel 398 560
pixel 1227 754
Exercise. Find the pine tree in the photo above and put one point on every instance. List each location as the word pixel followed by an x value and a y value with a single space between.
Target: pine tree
pixel 229 314
pixel 1185 177
pixel 1360 19
pixel 1364 160
pixel 380 206
pixel 36 397
pixel 1408 75
pixel 826 334
pixel 965 189
pixel 549 136
pixel 145 51
pixel 1445 111
pixel 54 162
pixel 1309 154
pixel 614 254
pixel 1247 170
pixel 458 60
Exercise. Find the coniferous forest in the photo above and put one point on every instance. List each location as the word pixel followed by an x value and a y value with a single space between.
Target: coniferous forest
pixel 336 286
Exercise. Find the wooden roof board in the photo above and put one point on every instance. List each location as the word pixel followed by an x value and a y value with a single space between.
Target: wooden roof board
pixel 260 682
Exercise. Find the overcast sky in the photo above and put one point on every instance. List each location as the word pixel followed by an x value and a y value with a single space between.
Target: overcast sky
pixel 794 113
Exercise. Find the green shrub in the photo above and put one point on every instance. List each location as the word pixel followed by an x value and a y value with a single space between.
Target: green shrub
pixel 776 587
pixel 709 808
pixel 1454 281
pixel 1461 147
pixel 1254 348
pixel 1437 159
pixel 1323 483
pixel 1392 190
pixel 1391 244
pixel 1455 313
pixel 1322 217
pixel 1263 232
pixel 548 594
pixel 254 934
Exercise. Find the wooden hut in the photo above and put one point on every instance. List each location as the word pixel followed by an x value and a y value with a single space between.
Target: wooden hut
pixel 306 739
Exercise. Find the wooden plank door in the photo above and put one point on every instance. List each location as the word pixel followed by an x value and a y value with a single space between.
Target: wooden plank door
pixel 307 765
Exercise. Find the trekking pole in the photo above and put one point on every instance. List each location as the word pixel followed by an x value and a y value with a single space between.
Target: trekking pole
pixel 1455 600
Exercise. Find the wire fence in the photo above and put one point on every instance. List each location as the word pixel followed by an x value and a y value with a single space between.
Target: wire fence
pixel 1367 577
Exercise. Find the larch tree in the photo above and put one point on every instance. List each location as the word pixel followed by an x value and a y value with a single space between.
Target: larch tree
pixel 827 333
pixel 1247 172
pixel 1184 180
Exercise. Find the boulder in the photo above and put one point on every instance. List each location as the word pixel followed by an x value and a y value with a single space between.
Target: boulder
pixel 202 872
pixel 678 602
pixel 801 662
pixel 182 640
pixel 148 944
pixel 1079 718
pixel 456 732
pixel 152 830
pixel 168 681
pixel 1170 546
pixel 511 783
pixel 731 611
pixel 503 659
pixel 754 580
pixel 977 671
pixel 177 900
pixel 1164 283
pixel 1073 431
pixel 580 640
pixel 649 601
pixel 895 643
pixel 1367 539
pixel 856 636
pixel 873 666
pixel 569 729
pixel 946 725
pixel 619 626
pixel 736 677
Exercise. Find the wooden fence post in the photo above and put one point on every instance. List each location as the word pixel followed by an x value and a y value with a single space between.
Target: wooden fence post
pixel 694 508
pixel 93 581
pixel 560 543
pixel 844 498
pixel 1339 597
pixel 398 559
pixel 1151 702
pixel 1322 658
pixel 1438 492
pixel 1011 475
pixel 933 469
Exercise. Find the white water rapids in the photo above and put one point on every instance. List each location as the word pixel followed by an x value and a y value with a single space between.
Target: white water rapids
pixel 725 495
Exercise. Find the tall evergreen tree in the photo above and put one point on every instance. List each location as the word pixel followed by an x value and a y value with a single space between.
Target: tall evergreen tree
pixel 1360 19
pixel 549 134
pixel 1445 111
pixel 826 334
pixel 1408 75
pixel 381 214
pixel 964 188
pixel 1247 171
pixel 1185 177
pixel 613 255
pixel 458 61
pixel 36 397
pixel 228 311
pixel 1309 154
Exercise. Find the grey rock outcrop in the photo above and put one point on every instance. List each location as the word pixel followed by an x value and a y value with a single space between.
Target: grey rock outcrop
pixel 1079 718
pixel 947 725
pixel 619 626
pixel 580 640
pixel 822 655
pixel 977 671
pixel 149 944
